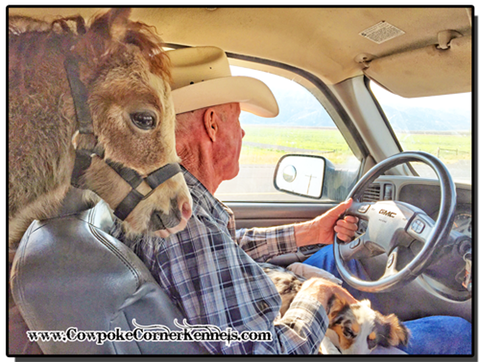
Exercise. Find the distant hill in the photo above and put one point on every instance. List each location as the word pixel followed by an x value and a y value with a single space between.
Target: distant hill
pixel 421 119
pixel 313 115
pixel 298 107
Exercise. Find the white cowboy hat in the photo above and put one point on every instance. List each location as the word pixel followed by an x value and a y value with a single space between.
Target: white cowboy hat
pixel 202 78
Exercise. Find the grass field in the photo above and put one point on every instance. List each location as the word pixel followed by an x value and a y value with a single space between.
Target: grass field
pixel 331 144
pixel 448 147
pixel 327 142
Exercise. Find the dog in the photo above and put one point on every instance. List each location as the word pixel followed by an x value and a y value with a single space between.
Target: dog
pixel 353 328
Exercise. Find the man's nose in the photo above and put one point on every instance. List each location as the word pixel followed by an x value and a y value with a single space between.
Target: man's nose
pixel 243 133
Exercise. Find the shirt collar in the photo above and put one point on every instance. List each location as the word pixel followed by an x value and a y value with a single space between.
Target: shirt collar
pixel 201 194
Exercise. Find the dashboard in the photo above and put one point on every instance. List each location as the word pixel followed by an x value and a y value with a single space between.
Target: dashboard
pixel 425 194
pixel 440 288
pixel 463 220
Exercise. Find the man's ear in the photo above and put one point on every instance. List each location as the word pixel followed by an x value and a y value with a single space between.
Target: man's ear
pixel 210 122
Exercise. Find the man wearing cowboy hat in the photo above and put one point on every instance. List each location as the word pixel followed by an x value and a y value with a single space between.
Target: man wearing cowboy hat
pixel 210 269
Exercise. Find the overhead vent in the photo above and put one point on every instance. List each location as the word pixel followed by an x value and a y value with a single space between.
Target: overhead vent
pixel 372 193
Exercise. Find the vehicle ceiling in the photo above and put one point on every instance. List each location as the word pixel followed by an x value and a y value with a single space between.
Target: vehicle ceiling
pixel 326 41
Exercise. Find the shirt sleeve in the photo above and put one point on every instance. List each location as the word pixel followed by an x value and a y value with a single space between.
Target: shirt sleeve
pixel 298 332
pixel 307 318
pixel 262 244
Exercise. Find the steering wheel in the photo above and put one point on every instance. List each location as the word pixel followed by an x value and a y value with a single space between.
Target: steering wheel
pixel 389 227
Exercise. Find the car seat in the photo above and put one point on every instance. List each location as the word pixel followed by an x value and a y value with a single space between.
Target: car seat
pixel 69 272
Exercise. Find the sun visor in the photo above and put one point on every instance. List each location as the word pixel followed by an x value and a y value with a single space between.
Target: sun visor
pixel 426 71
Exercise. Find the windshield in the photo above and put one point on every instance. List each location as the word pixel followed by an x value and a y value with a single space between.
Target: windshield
pixel 440 125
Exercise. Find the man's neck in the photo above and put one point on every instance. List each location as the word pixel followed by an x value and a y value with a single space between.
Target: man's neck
pixel 204 171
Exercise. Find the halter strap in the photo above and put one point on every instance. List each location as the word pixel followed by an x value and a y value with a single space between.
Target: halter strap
pixel 162 174
pixel 154 179
pixel 83 157
pixel 79 94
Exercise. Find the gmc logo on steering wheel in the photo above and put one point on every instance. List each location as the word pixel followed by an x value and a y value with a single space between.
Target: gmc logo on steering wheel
pixel 387 213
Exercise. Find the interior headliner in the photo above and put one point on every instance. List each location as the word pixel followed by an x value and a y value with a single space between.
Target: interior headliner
pixel 325 41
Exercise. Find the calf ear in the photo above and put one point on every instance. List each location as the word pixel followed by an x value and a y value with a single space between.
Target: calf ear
pixel 113 30
pixel 118 21
pixel 104 35
pixel 113 24
pixel 396 332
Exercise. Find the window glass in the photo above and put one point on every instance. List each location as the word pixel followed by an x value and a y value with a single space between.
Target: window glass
pixel 440 125
pixel 302 127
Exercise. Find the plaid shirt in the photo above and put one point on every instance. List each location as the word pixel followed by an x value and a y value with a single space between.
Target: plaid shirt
pixel 210 271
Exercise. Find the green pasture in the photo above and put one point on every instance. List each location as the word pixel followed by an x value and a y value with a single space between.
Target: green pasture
pixel 331 144
pixel 448 147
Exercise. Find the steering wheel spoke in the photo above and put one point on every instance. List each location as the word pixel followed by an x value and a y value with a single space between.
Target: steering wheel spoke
pixel 360 248
pixel 421 227
pixel 391 266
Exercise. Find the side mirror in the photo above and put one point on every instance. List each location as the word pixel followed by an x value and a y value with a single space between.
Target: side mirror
pixel 301 175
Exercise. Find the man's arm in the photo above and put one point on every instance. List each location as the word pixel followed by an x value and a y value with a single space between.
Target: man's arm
pixel 262 244
pixel 265 243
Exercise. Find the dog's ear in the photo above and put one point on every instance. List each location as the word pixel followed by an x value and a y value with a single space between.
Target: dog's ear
pixel 367 303
pixel 335 305
pixel 391 330
pixel 342 321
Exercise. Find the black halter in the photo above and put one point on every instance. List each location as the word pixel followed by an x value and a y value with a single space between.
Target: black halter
pixel 83 157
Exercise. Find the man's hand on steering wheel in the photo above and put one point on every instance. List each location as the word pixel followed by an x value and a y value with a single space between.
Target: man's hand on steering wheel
pixel 322 229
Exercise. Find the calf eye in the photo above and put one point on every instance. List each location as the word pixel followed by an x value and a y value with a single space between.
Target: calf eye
pixel 143 120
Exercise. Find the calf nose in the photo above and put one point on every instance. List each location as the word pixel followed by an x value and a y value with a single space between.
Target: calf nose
pixel 160 220
pixel 176 219
pixel 186 210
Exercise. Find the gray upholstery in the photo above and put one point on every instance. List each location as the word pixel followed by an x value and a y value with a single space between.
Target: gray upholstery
pixel 69 272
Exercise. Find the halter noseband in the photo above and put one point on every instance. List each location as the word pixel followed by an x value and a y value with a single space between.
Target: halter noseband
pixel 83 156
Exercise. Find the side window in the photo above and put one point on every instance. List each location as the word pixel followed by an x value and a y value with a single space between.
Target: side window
pixel 440 125
pixel 303 126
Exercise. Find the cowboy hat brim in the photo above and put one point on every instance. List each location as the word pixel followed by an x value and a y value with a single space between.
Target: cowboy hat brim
pixel 253 95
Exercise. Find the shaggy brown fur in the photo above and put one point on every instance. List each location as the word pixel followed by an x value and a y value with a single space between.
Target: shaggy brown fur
pixel 125 70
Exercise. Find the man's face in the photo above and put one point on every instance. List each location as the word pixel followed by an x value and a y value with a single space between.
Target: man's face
pixel 230 136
